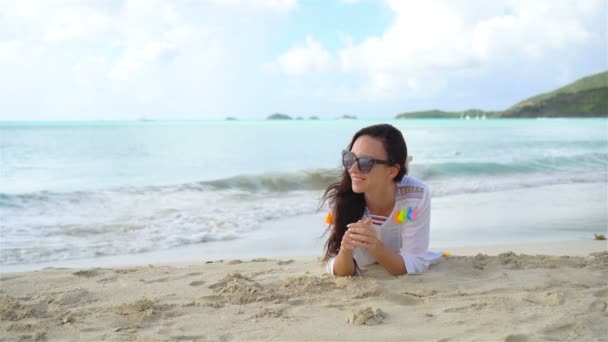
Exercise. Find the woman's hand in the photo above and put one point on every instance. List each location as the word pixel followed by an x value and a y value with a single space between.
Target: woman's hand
pixel 363 234
pixel 347 243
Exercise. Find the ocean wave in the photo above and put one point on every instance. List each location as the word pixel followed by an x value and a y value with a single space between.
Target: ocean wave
pixel 48 226
pixel 471 185
pixel 127 223
pixel 582 162
pixel 275 182
pixel 549 167
pixel 320 179
pixel 240 185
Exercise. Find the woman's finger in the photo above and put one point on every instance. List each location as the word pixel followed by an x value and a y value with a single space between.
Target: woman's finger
pixel 365 245
pixel 360 237
pixel 347 239
pixel 366 223
pixel 348 244
pixel 363 231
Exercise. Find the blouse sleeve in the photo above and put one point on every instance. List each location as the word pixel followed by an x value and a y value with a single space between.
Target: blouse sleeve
pixel 415 238
pixel 329 267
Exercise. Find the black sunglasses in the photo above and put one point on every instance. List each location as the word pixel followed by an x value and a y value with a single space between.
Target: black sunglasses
pixel 365 163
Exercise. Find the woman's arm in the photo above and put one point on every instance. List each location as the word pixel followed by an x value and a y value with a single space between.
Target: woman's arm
pixel 344 264
pixel 390 260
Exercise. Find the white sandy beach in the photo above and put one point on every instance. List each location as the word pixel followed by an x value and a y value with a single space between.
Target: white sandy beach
pixel 560 294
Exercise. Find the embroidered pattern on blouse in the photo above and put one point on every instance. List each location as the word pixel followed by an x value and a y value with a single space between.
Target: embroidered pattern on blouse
pixel 409 191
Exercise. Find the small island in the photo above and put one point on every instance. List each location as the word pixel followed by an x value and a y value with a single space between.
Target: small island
pixel 279 116
pixel 348 117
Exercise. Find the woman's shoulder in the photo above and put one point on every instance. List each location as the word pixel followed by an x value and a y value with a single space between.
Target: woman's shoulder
pixel 412 188
pixel 412 181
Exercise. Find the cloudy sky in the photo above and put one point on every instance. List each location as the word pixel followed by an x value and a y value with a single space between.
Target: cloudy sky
pixel 209 59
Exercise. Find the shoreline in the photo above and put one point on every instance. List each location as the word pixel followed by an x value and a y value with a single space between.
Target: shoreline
pixel 578 248
pixel 560 212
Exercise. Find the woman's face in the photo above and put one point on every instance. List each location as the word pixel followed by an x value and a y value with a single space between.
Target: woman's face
pixel 379 174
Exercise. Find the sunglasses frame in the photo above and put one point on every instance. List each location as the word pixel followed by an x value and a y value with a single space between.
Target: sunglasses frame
pixel 373 161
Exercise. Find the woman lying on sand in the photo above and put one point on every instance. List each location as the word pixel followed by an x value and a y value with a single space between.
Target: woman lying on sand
pixel 377 212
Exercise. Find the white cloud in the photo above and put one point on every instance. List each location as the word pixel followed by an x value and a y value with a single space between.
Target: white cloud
pixel 140 33
pixel 278 5
pixel 138 58
pixel 303 59
pixel 99 53
pixel 435 37
pixel 61 20
pixel 90 71
pixel 79 23
pixel 533 30
pixel 10 51
pixel 124 57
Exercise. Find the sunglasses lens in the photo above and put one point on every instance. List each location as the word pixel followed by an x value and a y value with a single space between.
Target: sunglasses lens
pixel 348 159
pixel 366 164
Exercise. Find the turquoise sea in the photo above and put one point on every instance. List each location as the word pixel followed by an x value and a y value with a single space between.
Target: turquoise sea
pixel 73 190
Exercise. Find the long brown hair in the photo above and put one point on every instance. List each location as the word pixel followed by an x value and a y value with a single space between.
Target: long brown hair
pixel 348 206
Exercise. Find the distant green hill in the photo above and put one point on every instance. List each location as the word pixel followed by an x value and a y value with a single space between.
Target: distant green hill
pixel 587 97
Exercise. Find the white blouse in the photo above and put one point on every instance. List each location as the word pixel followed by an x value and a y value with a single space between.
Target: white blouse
pixel 405 231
